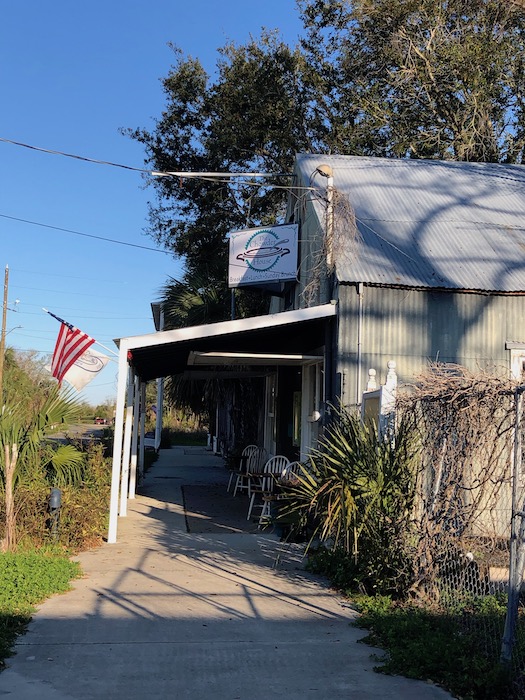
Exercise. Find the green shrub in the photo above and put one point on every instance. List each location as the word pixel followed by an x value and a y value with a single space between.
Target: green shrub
pixel 84 513
pixel 26 579
pixel 196 438
pixel 339 567
pixel 166 439
pixel 449 650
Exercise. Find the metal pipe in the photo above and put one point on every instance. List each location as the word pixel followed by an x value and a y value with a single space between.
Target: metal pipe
pixel 330 223
pixel 360 293
pixel 515 575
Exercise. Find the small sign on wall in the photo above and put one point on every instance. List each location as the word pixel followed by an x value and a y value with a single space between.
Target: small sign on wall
pixel 263 255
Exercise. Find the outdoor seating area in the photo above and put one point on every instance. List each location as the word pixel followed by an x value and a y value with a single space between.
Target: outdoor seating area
pixel 259 476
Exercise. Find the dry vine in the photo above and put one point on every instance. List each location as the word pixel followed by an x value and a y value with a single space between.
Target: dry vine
pixel 466 424
pixel 337 249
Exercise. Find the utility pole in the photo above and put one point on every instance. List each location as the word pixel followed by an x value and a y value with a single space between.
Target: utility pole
pixel 3 333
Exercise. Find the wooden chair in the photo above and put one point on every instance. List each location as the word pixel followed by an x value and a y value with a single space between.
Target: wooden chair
pixel 272 469
pixel 251 464
pixel 241 466
pixel 274 494
pixel 255 472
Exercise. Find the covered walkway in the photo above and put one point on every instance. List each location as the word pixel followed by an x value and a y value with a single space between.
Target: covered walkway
pixel 220 612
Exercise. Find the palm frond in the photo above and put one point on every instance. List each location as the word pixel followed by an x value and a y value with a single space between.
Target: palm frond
pixel 66 466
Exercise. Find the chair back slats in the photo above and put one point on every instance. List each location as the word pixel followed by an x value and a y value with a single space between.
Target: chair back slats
pixel 273 468
pixel 255 461
pixel 252 456
pixel 248 452
pixel 239 468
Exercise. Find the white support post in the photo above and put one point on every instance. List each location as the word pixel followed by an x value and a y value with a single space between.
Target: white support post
pixel 127 445
pixel 134 440
pixel 160 412
pixel 160 395
pixel 388 400
pixel 142 428
pixel 117 444
pixel 391 376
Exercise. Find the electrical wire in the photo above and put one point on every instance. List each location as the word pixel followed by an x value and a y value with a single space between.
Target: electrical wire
pixel 73 155
pixel 144 171
pixel 86 235
pixel 183 174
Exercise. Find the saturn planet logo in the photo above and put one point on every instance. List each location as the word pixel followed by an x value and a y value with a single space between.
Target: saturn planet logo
pixel 263 251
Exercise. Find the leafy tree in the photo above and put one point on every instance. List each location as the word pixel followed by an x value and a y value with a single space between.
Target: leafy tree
pixel 196 302
pixel 193 302
pixel 25 379
pixel 250 118
pixel 104 410
pixel 420 78
pixel 414 78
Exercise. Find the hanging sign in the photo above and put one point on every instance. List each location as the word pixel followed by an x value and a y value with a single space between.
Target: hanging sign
pixel 260 256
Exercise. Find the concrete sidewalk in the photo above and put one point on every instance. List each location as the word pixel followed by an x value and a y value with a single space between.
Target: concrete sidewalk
pixel 228 614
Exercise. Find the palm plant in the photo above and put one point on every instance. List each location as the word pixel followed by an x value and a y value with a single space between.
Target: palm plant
pixel 193 301
pixel 357 492
pixel 23 450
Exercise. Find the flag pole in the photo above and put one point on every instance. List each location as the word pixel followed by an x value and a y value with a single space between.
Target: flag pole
pixel 96 341
pixel 108 350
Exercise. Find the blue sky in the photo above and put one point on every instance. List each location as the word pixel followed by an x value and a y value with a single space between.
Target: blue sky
pixel 71 75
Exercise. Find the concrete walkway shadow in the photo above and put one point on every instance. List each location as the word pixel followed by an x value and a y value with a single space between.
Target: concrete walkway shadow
pixel 226 613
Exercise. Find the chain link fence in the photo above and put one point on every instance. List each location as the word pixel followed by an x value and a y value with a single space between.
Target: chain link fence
pixel 471 508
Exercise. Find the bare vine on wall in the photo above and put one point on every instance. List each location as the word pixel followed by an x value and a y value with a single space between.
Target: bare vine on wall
pixel 338 245
pixel 466 425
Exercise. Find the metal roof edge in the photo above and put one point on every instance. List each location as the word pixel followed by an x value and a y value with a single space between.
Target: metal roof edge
pixel 423 288
pixel 227 327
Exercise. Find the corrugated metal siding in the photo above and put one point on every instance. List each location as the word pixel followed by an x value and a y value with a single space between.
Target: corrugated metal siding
pixel 435 224
pixel 414 327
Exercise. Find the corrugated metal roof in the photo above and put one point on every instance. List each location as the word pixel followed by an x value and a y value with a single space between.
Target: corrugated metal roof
pixel 423 223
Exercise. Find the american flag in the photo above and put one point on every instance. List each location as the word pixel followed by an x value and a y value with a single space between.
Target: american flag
pixel 71 344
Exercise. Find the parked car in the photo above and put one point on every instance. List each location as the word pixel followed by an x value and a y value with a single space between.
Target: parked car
pixel 100 421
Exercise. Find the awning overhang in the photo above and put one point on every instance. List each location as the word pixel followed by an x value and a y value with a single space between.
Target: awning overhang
pixel 289 337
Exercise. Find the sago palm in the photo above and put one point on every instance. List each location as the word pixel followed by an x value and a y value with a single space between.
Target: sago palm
pixel 356 484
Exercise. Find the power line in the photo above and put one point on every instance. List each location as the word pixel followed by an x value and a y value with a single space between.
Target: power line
pixel 156 173
pixel 80 311
pixel 69 277
pixel 73 155
pixel 86 235
pixel 59 291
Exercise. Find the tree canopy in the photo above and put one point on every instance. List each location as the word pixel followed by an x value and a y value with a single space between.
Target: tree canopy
pixel 394 78
pixel 420 78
